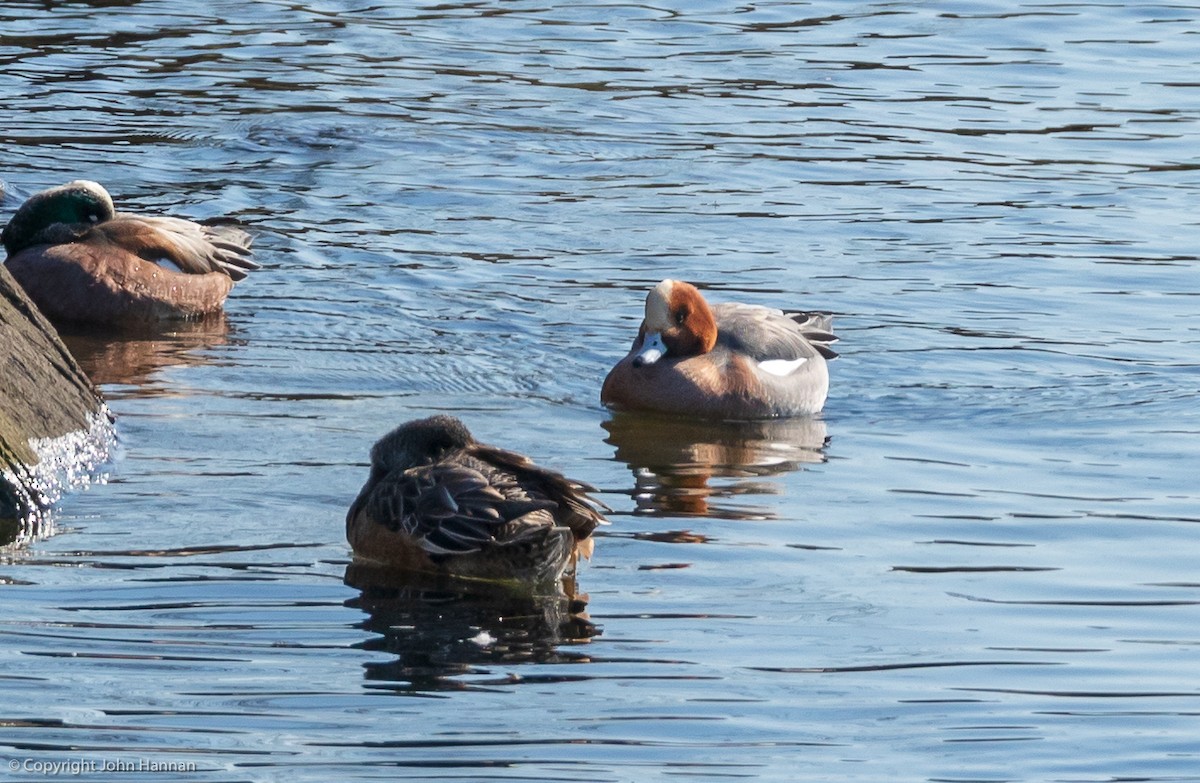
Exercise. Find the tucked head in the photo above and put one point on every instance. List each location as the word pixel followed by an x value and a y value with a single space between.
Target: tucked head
pixel 419 442
pixel 678 323
pixel 81 202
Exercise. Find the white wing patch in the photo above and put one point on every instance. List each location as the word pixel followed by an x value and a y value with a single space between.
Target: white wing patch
pixel 781 368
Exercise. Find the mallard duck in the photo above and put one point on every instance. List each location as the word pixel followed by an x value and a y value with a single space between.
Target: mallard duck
pixel 439 502
pixel 80 260
pixel 726 361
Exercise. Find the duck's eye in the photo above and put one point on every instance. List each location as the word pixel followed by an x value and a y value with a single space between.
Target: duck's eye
pixel 681 315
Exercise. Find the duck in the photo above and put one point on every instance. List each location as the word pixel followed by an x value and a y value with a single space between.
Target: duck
pixel 81 261
pixel 439 503
pixel 722 361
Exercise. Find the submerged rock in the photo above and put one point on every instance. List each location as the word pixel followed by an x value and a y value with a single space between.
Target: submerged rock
pixel 54 428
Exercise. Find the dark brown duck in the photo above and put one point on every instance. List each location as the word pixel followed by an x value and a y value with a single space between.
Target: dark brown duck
pixel 439 502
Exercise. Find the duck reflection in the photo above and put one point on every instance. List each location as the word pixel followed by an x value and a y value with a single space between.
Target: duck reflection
pixel 675 460
pixel 444 632
pixel 132 356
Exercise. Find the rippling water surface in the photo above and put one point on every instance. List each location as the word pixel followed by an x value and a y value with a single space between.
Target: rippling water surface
pixel 978 564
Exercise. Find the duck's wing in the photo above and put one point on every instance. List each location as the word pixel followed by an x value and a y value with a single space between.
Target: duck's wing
pixel 572 505
pixel 447 508
pixel 817 328
pixel 192 247
pixel 766 334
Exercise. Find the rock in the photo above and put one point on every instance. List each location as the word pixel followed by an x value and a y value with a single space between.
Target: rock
pixel 54 428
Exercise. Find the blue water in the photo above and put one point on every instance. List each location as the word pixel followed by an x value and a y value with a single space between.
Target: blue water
pixel 979 564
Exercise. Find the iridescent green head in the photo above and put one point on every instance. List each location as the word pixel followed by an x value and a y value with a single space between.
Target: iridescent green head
pixel 66 209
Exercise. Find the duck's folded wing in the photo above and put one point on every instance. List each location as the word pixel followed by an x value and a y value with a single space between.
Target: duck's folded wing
pixel 193 248
pixel 447 509
pixel 575 508
pixel 766 334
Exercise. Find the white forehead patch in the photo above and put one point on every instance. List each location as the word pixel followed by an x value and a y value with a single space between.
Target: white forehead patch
pixel 658 308
pixel 781 367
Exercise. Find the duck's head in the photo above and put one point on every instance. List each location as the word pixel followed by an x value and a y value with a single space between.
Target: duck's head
pixel 678 323
pixel 78 203
pixel 419 442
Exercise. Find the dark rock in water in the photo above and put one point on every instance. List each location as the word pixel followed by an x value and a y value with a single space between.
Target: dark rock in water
pixel 54 428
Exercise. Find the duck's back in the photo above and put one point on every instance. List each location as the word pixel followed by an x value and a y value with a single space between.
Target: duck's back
pixel 480 512
pixel 193 248
pixel 523 482
pixel 766 334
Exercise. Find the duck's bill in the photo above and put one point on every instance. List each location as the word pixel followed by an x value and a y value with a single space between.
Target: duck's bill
pixel 653 349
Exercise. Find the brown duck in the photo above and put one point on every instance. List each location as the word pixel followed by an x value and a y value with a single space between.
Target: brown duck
pixel 722 361
pixel 439 502
pixel 82 261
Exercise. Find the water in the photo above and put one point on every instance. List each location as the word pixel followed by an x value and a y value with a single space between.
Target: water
pixel 978 563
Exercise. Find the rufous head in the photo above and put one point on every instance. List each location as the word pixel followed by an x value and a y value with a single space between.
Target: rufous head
pixel 678 323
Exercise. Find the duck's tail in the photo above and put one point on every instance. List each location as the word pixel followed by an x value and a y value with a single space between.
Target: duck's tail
pixel 817 328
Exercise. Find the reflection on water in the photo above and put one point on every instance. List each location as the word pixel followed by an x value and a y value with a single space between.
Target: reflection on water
pixel 674 461
pixel 131 357
pixel 444 635
pixel 10 518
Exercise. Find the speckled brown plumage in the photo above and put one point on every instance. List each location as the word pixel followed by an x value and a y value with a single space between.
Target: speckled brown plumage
pixel 439 501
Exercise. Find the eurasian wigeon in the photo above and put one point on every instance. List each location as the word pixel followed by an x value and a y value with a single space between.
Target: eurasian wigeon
pixel 727 361
pixel 439 502
pixel 80 260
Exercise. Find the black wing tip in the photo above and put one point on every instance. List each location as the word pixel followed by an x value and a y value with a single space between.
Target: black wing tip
pixel 234 260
